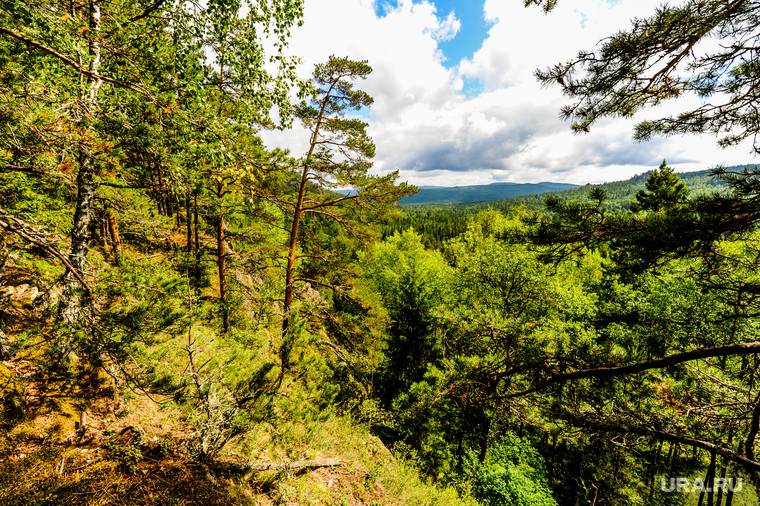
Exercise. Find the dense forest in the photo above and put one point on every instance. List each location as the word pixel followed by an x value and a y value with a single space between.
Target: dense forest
pixel 188 316
pixel 437 222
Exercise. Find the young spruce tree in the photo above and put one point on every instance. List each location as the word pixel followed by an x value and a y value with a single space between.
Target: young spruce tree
pixel 664 191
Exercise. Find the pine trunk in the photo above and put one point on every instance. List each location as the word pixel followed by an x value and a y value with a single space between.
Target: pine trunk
pixel 189 223
pixel 113 229
pixel 290 276
pixel 287 339
pixel 197 240
pixel 103 230
pixel 221 259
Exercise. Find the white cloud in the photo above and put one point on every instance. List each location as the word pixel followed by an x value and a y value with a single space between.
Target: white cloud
pixel 448 29
pixel 424 125
pixel 400 47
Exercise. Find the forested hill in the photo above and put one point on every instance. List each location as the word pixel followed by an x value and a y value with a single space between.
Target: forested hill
pixel 437 222
pixel 480 193
pixel 619 193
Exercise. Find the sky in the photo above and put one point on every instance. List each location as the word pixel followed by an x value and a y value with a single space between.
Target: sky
pixel 456 102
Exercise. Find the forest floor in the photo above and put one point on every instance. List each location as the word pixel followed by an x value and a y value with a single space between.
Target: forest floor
pixel 68 436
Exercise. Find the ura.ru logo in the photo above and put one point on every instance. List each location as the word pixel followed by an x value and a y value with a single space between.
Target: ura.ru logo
pixel 698 485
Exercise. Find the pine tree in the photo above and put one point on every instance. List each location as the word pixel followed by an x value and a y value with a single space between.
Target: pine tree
pixel 707 243
pixel 114 92
pixel 339 156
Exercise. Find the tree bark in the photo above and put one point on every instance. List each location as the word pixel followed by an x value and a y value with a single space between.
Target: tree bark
pixel 189 220
pixel 707 491
pixel 3 254
pixel 27 232
pixel 103 229
pixel 221 259
pixel 611 372
pixel 197 239
pixel 678 358
pixel 719 499
pixel 484 440
pixel 286 345
pixel 293 244
pixel 749 444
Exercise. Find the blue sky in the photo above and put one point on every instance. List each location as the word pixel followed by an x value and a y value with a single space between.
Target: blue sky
pixel 472 31
pixel 456 102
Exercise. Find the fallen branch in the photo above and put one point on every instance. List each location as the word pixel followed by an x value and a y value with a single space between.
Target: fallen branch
pixel 241 467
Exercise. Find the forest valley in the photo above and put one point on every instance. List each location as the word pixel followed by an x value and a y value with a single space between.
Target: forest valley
pixel 190 317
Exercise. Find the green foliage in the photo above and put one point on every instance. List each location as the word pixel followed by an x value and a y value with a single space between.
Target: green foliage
pixel 478 323
pixel 614 342
pixel 340 150
pixel 129 456
pixel 664 191
pixel 439 223
pixel 512 474
pixel 339 155
pixel 413 283
pixel 48 200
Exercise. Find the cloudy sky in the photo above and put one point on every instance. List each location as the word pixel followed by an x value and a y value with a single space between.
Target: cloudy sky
pixel 456 102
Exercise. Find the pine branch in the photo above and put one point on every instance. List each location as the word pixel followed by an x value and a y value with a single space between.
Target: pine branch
pixel 638 367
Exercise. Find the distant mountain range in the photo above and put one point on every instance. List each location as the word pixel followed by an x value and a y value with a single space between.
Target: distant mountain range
pixel 480 193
